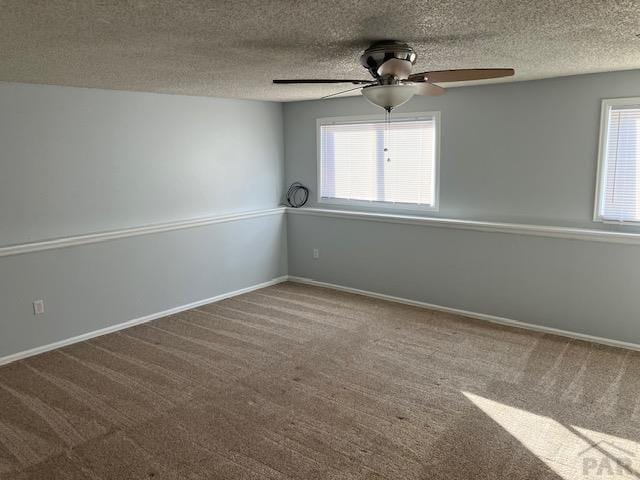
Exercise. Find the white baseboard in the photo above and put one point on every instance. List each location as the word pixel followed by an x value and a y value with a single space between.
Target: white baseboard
pixel 136 321
pixel 480 316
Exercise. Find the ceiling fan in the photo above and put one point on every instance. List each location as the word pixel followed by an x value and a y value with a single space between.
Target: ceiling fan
pixel 390 62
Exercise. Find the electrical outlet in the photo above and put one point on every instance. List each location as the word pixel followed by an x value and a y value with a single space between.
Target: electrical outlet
pixel 38 307
pixel 316 253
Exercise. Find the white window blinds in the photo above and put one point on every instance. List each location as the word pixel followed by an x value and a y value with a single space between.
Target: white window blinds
pixel 355 168
pixel 619 190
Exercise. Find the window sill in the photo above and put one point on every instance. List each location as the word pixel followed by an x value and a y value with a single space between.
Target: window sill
pixel 384 208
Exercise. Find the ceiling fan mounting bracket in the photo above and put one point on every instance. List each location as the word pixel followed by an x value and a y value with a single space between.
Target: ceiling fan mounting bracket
pixel 379 52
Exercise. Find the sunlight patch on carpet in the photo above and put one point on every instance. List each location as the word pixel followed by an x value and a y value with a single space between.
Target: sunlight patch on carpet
pixel 570 451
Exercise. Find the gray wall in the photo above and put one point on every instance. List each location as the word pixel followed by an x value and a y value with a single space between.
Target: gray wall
pixel 76 161
pixel 79 160
pixel 521 152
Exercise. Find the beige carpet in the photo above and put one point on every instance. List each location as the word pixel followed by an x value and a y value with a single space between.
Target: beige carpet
pixel 300 382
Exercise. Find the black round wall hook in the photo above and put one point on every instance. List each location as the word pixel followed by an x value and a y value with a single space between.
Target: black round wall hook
pixel 297 195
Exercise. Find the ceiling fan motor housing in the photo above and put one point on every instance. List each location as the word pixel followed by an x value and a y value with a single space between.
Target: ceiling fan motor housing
pixel 379 52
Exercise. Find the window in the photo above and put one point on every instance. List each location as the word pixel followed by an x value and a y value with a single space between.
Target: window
pixel 618 192
pixel 355 169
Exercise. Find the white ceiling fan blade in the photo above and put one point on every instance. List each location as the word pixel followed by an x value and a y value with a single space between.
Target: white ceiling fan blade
pixel 426 88
pixel 395 67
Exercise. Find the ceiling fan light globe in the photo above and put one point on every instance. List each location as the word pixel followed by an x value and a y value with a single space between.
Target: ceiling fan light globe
pixel 388 96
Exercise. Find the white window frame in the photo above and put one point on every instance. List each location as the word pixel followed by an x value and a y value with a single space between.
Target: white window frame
pixel 372 204
pixel 607 103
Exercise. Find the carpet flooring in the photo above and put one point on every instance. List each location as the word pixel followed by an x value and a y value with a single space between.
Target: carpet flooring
pixel 300 382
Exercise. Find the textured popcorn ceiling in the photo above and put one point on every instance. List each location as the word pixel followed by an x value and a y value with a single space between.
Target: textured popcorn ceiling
pixel 235 48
